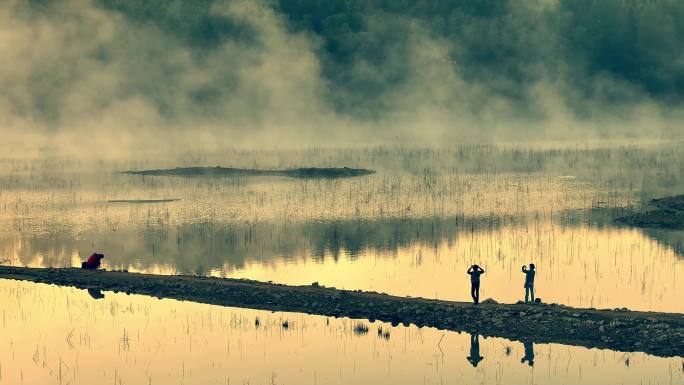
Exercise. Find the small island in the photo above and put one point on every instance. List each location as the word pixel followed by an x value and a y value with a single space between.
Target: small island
pixel 304 172
pixel 664 213
pixel 142 201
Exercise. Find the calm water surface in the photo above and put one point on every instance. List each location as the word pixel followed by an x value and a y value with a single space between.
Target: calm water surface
pixel 411 229
pixel 55 335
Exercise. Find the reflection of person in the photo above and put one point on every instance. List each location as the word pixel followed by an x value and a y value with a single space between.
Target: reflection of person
pixel 475 356
pixel 529 353
pixel 529 281
pixel 93 262
pixel 475 271
pixel 95 293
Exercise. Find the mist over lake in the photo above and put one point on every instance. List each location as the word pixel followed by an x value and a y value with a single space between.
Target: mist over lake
pixel 341 192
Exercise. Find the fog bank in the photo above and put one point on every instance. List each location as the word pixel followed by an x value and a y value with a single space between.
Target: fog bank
pixel 118 77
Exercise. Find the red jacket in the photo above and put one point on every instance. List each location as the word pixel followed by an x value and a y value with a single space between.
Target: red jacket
pixel 93 261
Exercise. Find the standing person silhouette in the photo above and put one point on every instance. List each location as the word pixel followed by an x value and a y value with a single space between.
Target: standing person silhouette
pixel 529 281
pixel 475 272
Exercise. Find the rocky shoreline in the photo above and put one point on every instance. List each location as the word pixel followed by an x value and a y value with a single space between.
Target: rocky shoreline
pixel 660 334
pixel 662 213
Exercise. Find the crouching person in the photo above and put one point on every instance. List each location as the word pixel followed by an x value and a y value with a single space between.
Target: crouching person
pixel 93 262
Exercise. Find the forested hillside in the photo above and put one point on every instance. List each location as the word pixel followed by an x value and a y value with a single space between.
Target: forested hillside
pixel 437 64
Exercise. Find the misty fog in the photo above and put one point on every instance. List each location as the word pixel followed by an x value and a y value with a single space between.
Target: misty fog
pixel 118 78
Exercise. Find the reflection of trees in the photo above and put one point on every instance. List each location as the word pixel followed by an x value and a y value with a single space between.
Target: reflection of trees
pixel 199 248
pixel 671 238
pixel 604 218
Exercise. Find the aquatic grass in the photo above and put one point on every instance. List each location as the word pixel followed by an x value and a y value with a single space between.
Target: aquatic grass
pixel 384 333
pixel 195 343
pixel 360 329
pixel 58 205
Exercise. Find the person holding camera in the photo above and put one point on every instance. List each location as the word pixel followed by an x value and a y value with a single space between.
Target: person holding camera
pixel 529 281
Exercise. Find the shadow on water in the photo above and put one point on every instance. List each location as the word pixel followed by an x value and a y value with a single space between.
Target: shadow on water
pixel 95 293
pixel 474 358
pixel 529 353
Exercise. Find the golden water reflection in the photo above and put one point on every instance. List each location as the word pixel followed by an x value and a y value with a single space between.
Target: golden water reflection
pixel 583 266
pixel 55 335
pixel 579 266
pixel 411 229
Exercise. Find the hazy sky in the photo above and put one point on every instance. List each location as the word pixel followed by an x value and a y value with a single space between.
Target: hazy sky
pixel 121 75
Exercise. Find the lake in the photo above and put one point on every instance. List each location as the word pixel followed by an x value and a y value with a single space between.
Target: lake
pixel 114 338
pixel 413 228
